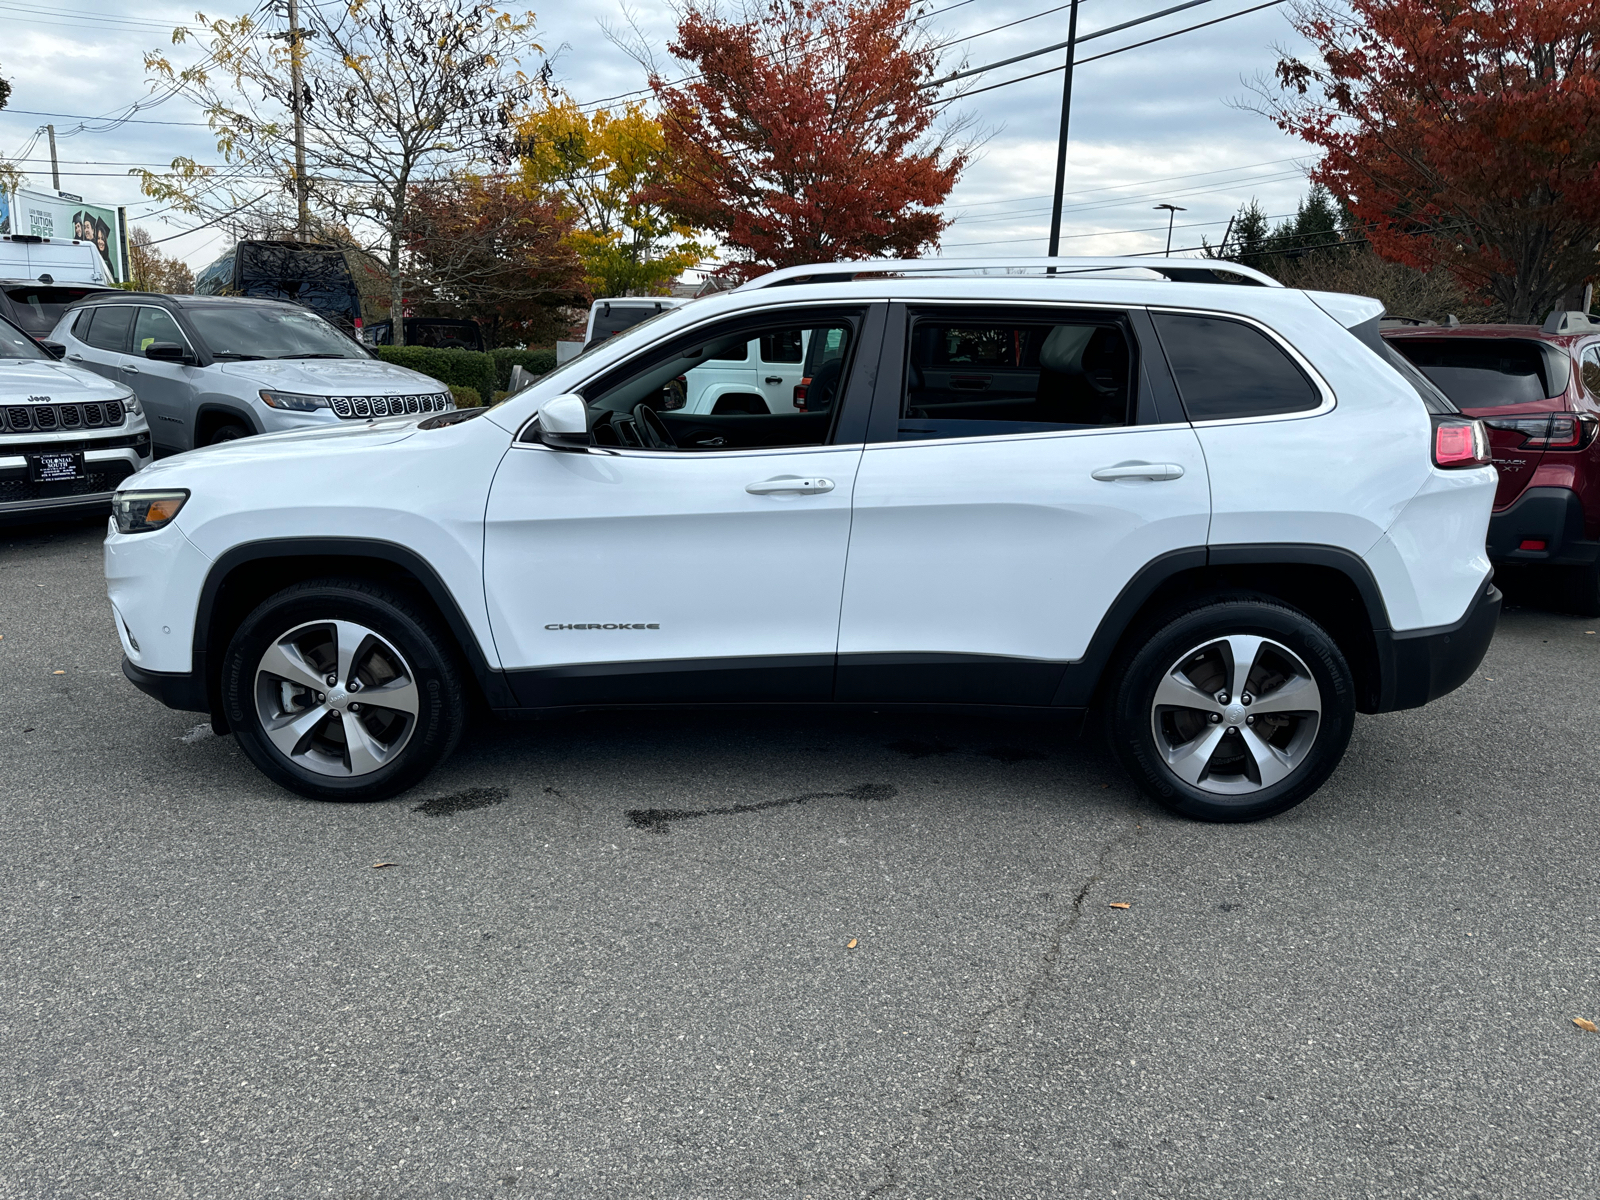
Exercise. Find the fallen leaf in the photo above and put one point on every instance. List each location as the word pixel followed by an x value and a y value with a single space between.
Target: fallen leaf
pixel 1119 904
pixel 58 672
pixel 1585 1024
pixel 380 866
pixel 851 944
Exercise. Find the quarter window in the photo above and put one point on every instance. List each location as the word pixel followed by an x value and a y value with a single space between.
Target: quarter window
pixel 1227 369
pixel 988 377
pixel 110 328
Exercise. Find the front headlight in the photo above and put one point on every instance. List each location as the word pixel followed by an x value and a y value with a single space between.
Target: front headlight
pixel 294 401
pixel 140 512
pixel 130 405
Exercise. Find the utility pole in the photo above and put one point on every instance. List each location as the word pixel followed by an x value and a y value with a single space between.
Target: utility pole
pixel 296 81
pixel 1172 211
pixel 55 171
pixel 1066 114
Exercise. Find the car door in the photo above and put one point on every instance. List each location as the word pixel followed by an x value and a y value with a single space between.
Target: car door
pixel 99 339
pixel 628 572
pixel 166 389
pixel 782 359
pixel 994 527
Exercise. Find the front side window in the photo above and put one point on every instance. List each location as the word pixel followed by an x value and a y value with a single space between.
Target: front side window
pixel 1227 370
pixel 110 328
pixel 243 331
pixel 689 392
pixel 975 378
pixel 16 344
pixel 154 325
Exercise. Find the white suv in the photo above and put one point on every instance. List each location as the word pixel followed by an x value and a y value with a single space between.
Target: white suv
pixel 1222 513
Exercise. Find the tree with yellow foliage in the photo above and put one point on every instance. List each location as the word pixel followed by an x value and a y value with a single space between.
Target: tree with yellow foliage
pixel 596 165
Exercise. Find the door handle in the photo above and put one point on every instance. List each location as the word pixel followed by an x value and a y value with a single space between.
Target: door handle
pixel 1140 470
pixel 74 358
pixel 774 378
pixel 131 369
pixel 789 484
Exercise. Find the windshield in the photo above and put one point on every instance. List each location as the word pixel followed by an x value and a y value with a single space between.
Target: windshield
pixel 39 307
pixel 242 331
pixel 16 344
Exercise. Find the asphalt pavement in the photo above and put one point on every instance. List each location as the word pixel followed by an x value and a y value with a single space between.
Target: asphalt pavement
pixel 778 955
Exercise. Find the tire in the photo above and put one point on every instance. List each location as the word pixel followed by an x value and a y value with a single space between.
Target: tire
pixel 1203 756
pixel 1581 595
pixel 230 432
pixel 296 726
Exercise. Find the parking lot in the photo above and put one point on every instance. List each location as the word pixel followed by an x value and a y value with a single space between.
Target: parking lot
pixel 780 954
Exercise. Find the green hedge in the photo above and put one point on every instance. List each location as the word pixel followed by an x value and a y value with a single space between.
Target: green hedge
pixel 535 362
pixel 455 368
pixel 466 397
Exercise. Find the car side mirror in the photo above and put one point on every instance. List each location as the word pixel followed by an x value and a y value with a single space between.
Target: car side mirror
pixel 54 349
pixel 564 423
pixel 168 352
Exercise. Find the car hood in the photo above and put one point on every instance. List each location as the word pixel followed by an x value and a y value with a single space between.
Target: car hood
pixel 25 379
pixel 334 376
pixel 347 436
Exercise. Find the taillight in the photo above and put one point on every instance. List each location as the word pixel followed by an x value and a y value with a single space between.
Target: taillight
pixel 1460 442
pixel 800 393
pixel 1557 431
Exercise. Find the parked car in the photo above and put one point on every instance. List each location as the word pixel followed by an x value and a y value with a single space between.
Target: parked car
pixel 349 287
pixel 27 256
pixel 67 436
pixel 211 369
pixel 615 315
pixel 1537 389
pixel 1226 516
pixel 36 306
pixel 442 333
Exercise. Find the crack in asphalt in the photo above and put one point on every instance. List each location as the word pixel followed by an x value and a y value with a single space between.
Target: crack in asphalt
pixel 1013 1011
pixel 657 819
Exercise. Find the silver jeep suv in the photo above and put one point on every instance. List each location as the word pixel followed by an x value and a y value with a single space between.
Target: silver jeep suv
pixel 210 369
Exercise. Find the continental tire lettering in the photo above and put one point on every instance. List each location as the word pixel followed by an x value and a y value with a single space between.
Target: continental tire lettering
pixel 556 625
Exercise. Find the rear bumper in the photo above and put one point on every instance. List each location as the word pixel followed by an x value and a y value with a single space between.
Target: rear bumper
pixel 1421 665
pixel 185 692
pixel 1552 515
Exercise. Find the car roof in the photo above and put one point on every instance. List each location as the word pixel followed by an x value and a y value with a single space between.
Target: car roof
pixel 117 296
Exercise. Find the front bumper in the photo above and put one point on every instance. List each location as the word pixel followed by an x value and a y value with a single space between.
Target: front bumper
pixel 105 468
pixel 1420 665
pixel 1552 515
pixel 185 692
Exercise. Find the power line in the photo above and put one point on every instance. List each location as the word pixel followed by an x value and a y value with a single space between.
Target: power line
pixel 26 112
pixel 1124 202
pixel 1135 183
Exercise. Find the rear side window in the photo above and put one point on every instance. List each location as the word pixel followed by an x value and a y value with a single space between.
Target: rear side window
pixel 1227 370
pixel 1480 372
pixel 110 328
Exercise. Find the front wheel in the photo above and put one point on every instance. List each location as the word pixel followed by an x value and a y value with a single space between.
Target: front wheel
pixel 342 690
pixel 1235 710
pixel 231 432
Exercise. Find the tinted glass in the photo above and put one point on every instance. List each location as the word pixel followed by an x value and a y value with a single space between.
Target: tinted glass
pixel 1480 372
pixel 38 308
pixel 251 331
pixel 14 344
pixel 611 320
pixel 1591 370
pixel 1227 369
pixel 155 325
pixel 971 379
pixel 109 331
pixel 784 346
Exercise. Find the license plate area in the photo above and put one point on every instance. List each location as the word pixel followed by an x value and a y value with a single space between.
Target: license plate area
pixel 65 467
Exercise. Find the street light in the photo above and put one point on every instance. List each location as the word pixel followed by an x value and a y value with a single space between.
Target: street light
pixel 1172 211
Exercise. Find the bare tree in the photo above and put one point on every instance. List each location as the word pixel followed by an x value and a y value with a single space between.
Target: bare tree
pixel 395 94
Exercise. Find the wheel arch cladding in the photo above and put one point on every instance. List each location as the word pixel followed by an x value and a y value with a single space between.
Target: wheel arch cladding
pixel 246 575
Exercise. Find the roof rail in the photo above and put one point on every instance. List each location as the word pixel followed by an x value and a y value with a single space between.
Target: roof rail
pixel 1569 322
pixel 1179 270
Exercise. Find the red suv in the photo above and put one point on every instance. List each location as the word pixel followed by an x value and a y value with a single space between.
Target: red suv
pixel 1537 388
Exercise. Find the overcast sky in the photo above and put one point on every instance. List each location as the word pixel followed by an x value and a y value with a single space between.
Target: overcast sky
pixel 1156 124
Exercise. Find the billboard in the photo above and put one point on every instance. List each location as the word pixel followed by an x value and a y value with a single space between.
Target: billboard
pixel 63 215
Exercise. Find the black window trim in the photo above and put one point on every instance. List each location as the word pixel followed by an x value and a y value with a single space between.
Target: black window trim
pixel 1330 401
pixel 133 307
pixel 188 341
pixel 1153 407
pixel 849 427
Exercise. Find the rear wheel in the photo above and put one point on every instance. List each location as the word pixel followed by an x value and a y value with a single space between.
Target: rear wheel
pixel 1234 710
pixel 342 690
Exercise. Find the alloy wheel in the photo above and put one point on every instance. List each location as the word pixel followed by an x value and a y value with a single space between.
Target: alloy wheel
pixel 1236 715
pixel 336 698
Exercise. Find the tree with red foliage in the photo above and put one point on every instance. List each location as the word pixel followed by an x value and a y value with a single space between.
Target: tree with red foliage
pixel 1463 134
pixel 805 134
pixel 488 249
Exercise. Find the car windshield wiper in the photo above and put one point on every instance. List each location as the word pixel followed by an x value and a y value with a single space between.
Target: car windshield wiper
pixel 319 354
pixel 236 354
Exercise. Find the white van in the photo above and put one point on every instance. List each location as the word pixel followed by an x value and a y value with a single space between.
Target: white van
pixel 65 260
pixel 767 374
